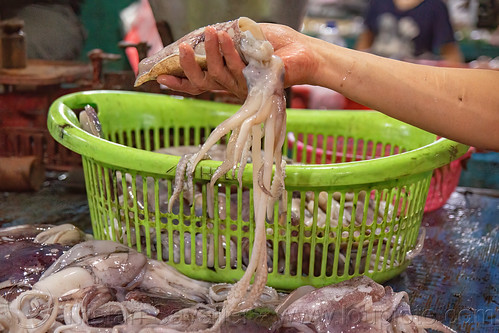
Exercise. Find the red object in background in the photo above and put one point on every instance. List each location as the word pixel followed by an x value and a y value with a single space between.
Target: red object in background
pixel 142 29
pixel 19 110
pixel 312 97
pixel 344 149
pixel 24 106
pixel 352 105
pixel 131 52
pixel 299 97
pixel 443 182
pixel 23 129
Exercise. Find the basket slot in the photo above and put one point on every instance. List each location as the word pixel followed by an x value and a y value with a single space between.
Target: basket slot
pixel 322 142
pixel 343 149
pixel 354 146
pixel 417 211
pixel 362 235
pixel 171 139
pixel 387 213
pixel 313 142
pixel 350 233
pixel 130 139
pixel 397 230
pixel 310 234
pixel 145 140
pixel 236 216
pixel 145 217
pixel 154 138
pixel 392 225
pixel 192 140
pixel 182 140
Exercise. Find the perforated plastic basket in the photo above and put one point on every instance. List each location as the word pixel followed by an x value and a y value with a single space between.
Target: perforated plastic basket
pixel 359 215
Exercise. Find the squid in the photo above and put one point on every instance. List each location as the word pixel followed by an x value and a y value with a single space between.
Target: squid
pixel 357 305
pixel 263 115
pixel 90 281
pixel 102 286
pixel 166 61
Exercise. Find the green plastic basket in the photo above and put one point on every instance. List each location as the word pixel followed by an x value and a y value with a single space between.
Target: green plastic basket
pixel 383 195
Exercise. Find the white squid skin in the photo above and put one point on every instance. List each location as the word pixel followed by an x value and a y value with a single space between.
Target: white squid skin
pixel 64 234
pixel 98 265
pixel 359 305
pixel 112 264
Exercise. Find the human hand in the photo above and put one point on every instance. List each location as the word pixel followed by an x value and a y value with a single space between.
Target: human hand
pixel 225 65
pixel 296 51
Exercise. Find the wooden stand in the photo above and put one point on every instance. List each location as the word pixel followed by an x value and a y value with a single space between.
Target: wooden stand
pixel 25 173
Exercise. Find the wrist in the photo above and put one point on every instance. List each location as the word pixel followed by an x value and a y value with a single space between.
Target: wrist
pixel 324 57
pixel 337 68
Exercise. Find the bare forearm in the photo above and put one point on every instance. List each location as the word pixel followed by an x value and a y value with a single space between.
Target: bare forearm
pixel 460 104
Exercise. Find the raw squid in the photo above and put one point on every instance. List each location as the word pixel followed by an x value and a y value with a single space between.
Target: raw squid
pixel 111 263
pixel 357 305
pixel 28 250
pixel 102 286
pixel 89 284
pixel 263 114
pixel 166 61
pixel 90 122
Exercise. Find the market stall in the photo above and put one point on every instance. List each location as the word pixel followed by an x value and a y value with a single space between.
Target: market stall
pixel 131 205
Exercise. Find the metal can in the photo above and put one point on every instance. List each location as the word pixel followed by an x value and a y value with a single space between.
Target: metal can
pixel 13 44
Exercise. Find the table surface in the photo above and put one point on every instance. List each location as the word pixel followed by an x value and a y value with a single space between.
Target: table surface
pixel 46 72
pixel 456 277
pixel 454 280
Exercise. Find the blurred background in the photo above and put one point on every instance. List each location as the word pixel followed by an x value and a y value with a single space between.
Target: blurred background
pixel 54 47
pixel 104 24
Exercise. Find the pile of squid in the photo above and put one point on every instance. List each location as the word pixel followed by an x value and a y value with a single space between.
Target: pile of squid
pixel 58 279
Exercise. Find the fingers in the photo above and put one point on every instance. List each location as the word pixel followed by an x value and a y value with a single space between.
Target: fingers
pixel 232 58
pixel 234 63
pixel 224 67
pixel 223 61
pixel 178 84
pixel 188 63
pixel 214 59
pixel 197 77
pixel 196 80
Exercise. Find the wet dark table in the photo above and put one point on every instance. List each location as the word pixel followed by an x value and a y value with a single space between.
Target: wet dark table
pixel 456 277
pixel 62 199
pixel 454 280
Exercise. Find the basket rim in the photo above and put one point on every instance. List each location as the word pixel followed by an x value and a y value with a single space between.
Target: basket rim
pixel 63 125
